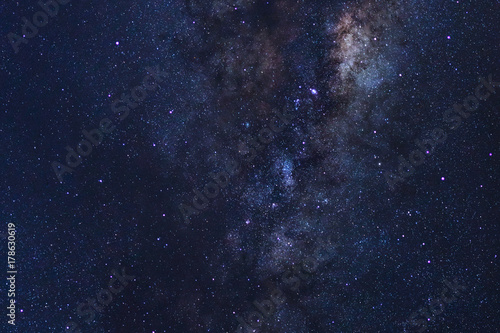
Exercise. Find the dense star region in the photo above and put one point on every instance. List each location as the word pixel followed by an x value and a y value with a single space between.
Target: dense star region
pixel 250 166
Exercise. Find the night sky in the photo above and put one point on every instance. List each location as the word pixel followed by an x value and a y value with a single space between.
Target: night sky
pixel 242 166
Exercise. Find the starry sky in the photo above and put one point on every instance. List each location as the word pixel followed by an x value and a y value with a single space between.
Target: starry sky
pixel 287 166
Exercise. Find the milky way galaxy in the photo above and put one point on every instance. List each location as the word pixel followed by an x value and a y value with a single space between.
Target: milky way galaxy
pixel 300 166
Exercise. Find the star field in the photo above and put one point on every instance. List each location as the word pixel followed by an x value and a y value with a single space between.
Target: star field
pixel 250 166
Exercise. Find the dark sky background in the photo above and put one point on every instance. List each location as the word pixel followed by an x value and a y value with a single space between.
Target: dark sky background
pixel 356 82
